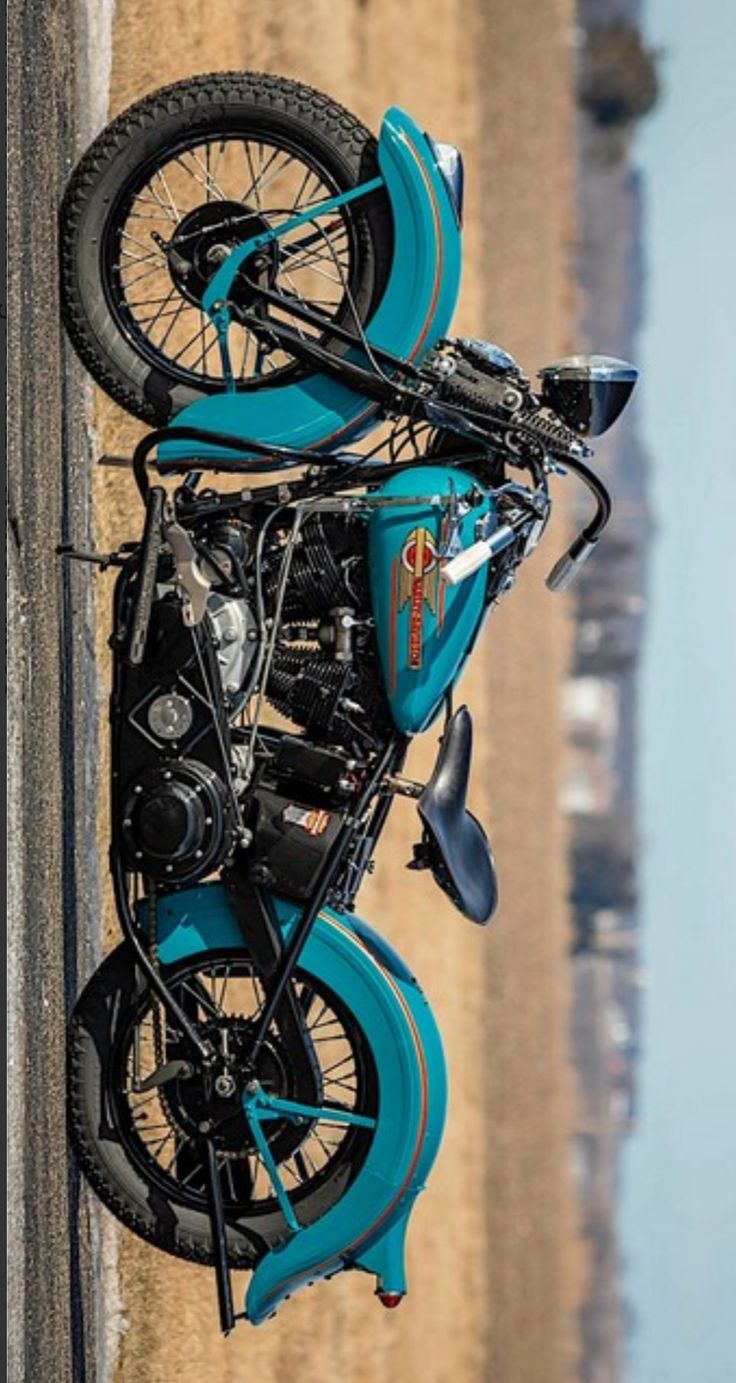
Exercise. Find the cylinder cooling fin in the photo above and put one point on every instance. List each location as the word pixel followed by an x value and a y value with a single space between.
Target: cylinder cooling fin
pixel 327 569
pixel 330 700
pixel 324 675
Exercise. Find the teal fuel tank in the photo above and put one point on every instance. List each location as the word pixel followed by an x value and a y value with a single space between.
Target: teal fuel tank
pixel 424 629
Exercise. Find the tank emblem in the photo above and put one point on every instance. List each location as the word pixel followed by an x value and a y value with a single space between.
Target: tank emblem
pixel 418 582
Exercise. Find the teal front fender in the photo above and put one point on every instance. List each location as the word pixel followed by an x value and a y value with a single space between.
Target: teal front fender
pixel 366 1228
pixel 414 312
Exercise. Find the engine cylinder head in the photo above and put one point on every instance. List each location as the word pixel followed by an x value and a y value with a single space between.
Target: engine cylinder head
pixel 332 700
pixel 327 568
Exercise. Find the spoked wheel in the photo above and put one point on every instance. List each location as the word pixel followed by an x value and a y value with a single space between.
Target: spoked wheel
pixel 143 1149
pixel 169 189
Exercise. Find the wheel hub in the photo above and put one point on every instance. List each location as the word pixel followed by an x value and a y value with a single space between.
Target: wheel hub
pixel 213 1104
pixel 202 242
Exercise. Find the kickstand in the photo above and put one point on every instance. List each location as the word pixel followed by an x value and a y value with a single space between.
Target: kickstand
pixel 219 1240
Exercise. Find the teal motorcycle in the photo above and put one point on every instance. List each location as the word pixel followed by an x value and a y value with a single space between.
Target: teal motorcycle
pixel 255 1077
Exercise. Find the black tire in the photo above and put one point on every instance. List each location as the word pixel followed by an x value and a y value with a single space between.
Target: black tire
pixel 237 106
pixel 132 1188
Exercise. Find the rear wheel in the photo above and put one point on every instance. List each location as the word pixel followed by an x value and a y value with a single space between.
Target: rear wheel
pixel 163 195
pixel 142 1151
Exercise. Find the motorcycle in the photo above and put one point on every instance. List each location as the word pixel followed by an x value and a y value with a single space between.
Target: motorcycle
pixel 255 1077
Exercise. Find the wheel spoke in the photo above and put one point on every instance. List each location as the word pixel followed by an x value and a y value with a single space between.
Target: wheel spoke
pixel 180 1141
pixel 296 207
pixel 152 302
pixel 346 1060
pixel 201 997
pixel 132 282
pixel 169 198
pixel 126 235
pixel 207 182
pixel 195 1168
pixel 154 200
pixel 251 170
pixel 207 345
pixel 323 274
pixel 317 1021
pixel 196 337
pixel 157 1150
pixel 184 307
pixel 326 1143
pixel 225 980
pixel 163 311
pixel 301 256
pixel 343 1083
pixel 247 345
pixel 320 1026
pixel 265 177
pixel 161 316
pixel 143 216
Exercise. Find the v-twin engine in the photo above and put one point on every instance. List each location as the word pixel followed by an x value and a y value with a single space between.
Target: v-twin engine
pixel 187 785
pixel 324 675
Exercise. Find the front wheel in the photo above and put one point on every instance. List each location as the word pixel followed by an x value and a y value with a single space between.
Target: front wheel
pixel 142 1151
pixel 163 195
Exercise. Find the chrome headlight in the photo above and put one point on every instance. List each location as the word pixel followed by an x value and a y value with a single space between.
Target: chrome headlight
pixel 588 391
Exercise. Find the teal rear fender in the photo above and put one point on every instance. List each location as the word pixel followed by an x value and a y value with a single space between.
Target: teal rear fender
pixel 366 1228
pixel 413 314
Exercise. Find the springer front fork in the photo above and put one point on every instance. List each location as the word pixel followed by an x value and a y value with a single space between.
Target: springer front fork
pixel 260 1108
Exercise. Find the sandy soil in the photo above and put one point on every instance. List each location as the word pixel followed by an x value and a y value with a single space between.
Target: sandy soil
pixel 493 1264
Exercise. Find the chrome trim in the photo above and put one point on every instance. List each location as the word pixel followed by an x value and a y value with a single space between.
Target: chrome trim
pixel 449 161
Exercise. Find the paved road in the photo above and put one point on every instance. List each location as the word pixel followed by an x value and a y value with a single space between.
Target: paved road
pixel 55 1300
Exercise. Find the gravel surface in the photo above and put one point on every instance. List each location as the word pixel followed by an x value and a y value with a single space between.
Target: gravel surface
pixel 55 1299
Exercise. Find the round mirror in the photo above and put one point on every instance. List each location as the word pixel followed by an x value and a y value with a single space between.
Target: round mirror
pixel 588 391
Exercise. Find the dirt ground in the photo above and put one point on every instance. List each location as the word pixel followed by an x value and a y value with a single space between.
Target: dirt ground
pixel 494 1265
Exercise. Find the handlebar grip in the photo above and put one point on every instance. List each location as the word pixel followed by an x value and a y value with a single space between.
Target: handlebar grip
pixel 466 562
pixel 462 566
pixel 150 549
pixel 566 569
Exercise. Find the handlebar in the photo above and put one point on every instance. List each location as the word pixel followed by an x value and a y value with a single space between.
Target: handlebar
pixel 568 565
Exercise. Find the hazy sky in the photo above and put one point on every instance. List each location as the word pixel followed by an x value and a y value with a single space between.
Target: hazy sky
pixel 678 1216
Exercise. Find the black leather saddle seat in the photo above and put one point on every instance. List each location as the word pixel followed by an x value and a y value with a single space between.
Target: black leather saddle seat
pixel 458 849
